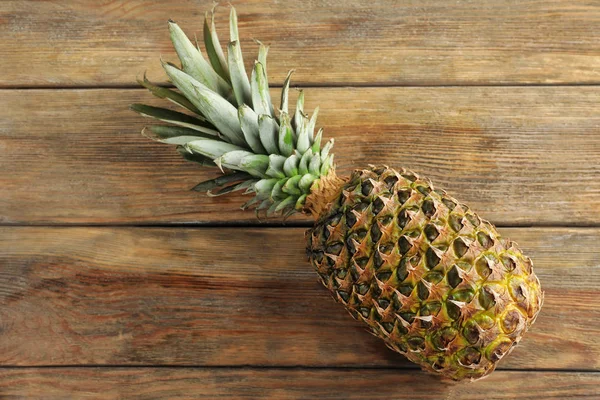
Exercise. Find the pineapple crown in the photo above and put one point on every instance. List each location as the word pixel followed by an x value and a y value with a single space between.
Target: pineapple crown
pixel 229 123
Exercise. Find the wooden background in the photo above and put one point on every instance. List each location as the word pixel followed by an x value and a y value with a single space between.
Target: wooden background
pixel 117 282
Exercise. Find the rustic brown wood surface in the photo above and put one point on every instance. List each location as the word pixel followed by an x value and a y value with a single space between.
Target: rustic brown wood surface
pixel 199 296
pixel 497 101
pixel 519 155
pixel 248 383
pixel 431 42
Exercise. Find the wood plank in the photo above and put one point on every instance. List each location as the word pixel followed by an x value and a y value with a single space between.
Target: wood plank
pixel 429 42
pixel 517 155
pixel 228 296
pixel 174 383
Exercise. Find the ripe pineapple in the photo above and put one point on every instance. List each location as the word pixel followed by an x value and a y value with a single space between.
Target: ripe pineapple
pixel 424 272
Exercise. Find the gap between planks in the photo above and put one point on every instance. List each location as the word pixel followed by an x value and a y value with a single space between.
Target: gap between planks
pixel 280 367
pixel 276 223
pixel 303 85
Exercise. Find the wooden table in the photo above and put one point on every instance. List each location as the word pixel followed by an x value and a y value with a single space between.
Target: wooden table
pixel 116 281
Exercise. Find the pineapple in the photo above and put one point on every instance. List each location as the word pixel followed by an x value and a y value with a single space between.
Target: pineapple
pixel 437 283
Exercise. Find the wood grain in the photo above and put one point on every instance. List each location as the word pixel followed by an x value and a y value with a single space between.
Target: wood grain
pixel 172 383
pixel 232 297
pixel 429 42
pixel 518 155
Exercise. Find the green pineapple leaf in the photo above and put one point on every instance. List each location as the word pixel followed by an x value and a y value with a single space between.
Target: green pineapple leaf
pixel 172 134
pixel 213 47
pixel 171 95
pixel 220 181
pixel 175 118
pixel 221 113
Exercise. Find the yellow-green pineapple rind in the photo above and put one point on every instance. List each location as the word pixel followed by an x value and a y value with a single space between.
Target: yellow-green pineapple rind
pixel 428 276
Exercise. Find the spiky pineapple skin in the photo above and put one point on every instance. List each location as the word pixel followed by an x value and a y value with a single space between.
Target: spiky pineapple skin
pixel 424 272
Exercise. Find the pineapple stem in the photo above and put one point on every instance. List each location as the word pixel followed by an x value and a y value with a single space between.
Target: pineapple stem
pixel 322 194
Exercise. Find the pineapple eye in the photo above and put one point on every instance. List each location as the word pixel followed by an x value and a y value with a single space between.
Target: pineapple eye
pixel 377 206
pixel 496 351
pixel 362 289
pixel 442 338
pixel 485 322
pixel 386 248
pixel 344 295
pixel 431 258
pixel 471 332
pixel 485 240
pixel 404 195
pixel 510 321
pixel 350 219
pixel 377 261
pixel 401 272
pixel 402 346
pixel 361 234
pixel 385 221
pixel 413 234
pixel 432 308
pixel 379 170
pixel 469 356
pixel 362 262
pixel 465 295
pixel 508 262
pixel 350 244
pixel 335 249
pixel 335 219
pixel 390 181
pixel 460 248
pixel 455 222
pixel 364 311
pixel 473 219
pixel 519 292
pixel 434 277
pixel 406 289
pixel 428 208
pixel 403 219
pixel 422 291
pixel 318 256
pixel 409 176
pixel 416 343
pixel 453 277
pixel 375 292
pixel 366 188
pixel 375 233
pixel 486 298
pixel 449 203
pixel 408 316
pixel 384 276
pixel 431 232
pixel 383 303
pixel 453 310
pixel 354 273
pixel 483 269
pixel 424 190
pixel 439 364
pixel 362 206
pixel 404 245
pixel 415 260
pixel 389 327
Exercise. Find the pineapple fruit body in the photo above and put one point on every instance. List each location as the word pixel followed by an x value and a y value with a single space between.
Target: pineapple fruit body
pixel 426 274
